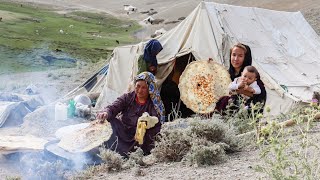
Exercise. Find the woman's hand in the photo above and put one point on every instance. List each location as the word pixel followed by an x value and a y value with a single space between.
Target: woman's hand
pixel 247 93
pixel 102 116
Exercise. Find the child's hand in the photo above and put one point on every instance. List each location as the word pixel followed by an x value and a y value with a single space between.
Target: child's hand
pixel 242 84
pixel 246 87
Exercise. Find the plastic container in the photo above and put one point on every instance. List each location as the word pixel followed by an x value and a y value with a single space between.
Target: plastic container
pixel 71 109
pixel 61 112
pixel 83 99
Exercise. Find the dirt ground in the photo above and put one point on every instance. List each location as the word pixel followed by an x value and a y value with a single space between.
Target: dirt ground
pixel 239 166
pixel 57 83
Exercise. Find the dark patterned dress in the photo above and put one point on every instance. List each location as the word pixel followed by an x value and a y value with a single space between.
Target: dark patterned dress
pixel 123 116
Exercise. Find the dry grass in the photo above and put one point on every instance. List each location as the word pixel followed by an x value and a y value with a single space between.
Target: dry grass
pixel 112 160
pixel 195 140
pixel 206 153
pixel 216 131
pixel 90 172
pixel 172 145
pixel 136 158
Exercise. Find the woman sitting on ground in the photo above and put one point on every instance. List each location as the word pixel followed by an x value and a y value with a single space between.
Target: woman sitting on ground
pixel 144 98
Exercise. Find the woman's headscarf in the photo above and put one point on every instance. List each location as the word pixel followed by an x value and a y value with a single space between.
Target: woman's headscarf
pixel 153 92
pixel 150 52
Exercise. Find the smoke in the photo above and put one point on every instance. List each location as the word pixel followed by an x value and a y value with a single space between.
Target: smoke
pixel 36 166
pixel 31 112
pixel 46 165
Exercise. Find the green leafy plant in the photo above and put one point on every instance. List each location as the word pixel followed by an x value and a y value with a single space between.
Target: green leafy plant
pixel 244 119
pixel 290 153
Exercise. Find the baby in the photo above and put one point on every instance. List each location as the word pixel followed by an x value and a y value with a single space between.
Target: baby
pixel 247 81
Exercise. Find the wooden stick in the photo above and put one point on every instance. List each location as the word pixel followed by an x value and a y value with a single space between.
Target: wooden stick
pixel 291 122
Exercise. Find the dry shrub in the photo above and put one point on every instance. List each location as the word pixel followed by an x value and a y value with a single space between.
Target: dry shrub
pixel 211 131
pixel 138 171
pixel 135 159
pixel 202 142
pixel 112 160
pixel 206 153
pixel 90 172
pixel 172 145
pixel 215 131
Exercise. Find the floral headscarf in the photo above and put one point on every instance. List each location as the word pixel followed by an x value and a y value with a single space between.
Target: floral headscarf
pixel 153 92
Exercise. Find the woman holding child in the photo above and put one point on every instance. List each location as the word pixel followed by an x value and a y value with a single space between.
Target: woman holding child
pixel 240 58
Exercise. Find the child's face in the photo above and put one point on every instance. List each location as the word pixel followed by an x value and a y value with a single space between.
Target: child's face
pixel 248 77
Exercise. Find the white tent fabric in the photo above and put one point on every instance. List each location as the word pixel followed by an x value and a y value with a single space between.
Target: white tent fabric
pixel 123 67
pixel 284 47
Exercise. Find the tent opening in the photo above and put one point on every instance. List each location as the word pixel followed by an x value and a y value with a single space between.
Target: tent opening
pixel 170 93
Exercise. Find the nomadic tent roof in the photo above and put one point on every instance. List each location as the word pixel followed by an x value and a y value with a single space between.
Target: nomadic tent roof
pixel 284 47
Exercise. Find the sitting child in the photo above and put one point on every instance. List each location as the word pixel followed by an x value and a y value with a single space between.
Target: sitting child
pixel 246 81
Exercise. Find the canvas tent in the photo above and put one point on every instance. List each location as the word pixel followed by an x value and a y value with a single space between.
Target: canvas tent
pixel 284 46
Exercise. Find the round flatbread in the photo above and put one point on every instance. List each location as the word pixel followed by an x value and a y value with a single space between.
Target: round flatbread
pixel 86 139
pixel 201 85
pixel 10 144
